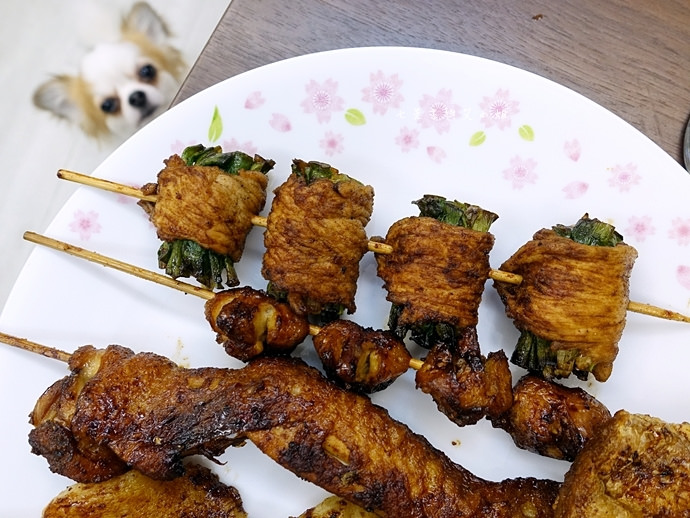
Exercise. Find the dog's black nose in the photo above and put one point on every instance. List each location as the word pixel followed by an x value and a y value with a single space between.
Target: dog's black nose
pixel 137 99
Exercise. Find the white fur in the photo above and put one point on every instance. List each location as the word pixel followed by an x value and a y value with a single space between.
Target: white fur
pixel 109 71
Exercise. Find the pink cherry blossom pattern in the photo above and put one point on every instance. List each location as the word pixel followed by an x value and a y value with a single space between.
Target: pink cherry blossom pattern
pixel 254 100
pixel 407 139
pixel 436 154
pixel 280 122
pixel 520 172
pixel 383 92
pixel 437 111
pixel 680 231
pixel 683 276
pixel 178 146
pixel 85 224
pixel 639 228
pixel 322 99
pixel 498 109
pixel 332 143
pixel 234 145
pixel 572 149
pixel 624 177
pixel 575 189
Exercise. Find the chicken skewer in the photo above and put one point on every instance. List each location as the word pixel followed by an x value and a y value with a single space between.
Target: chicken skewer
pixel 217 301
pixel 276 403
pixel 405 470
pixel 373 246
pixel 367 361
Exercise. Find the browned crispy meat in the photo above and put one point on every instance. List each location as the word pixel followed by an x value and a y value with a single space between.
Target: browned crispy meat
pixel 79 458
pixel 360 359
pixel 636 467
pixel 197 494
pixel 574 295
pixel 152 413
pixel 550 419
pixel 465 385
pixel 208 206
pixel 437 271
pixel 249 323
pixel 315 240
pixel 336 507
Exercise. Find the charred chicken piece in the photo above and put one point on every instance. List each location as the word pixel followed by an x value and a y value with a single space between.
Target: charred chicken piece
pixel 250 323
pixel 315 239
pixel 550 419
pixel 77 457
pixel 152 413
pixel 571 304
pixel 360 359
pixel 465 385
pixel 203 212
pixel 197 494
pixel 637 466
pixel 436 274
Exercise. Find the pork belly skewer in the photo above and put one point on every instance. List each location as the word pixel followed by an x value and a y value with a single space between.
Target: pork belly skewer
pixel 201 240
pixel 378 247
pixel 571 306
pixel 325 435
pixel 315 239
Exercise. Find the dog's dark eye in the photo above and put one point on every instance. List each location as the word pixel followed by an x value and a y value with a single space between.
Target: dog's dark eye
pixel 111 105
pixel 147 73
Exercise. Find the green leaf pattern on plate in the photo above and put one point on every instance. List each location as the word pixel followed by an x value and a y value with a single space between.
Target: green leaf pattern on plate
pixel 215 130
pixel 355 117
pixel 477 139
pixel 526 132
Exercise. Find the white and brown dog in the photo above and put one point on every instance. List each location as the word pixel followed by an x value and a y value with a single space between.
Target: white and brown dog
pixel 122 84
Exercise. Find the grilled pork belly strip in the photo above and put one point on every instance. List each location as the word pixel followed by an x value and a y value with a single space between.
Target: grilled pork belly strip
pixel 437 271
pixel 574 295
pixel 152 413
pixel 315 240
pixel 197 494
pixel 221 223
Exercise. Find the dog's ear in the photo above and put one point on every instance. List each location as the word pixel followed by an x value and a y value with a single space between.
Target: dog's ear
pixel 143 19
pixel 55 96
pixel 67 97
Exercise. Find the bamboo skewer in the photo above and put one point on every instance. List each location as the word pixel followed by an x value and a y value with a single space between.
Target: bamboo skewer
pixel 260 221
pixel 28 345
pixel 138 272
pixel 373 246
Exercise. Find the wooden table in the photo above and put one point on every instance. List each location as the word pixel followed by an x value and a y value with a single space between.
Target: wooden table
pixel 630 56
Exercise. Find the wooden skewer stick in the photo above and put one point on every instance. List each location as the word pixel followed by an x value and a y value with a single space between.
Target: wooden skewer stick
pixel 137 272
pixel 107 185
pixel 28 345
pixel 260 221
pixel 374 246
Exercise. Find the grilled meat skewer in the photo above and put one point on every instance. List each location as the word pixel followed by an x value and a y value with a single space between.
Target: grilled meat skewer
pixel 315 240
pixel 551 419
pixel 571 305
pixel 151 413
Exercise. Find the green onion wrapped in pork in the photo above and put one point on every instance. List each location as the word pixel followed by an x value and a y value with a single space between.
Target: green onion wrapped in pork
pixel 206 200
pixel 315 240
pixel 571 304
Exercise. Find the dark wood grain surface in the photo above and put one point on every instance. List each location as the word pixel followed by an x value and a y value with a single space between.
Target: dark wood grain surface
pixel 630 56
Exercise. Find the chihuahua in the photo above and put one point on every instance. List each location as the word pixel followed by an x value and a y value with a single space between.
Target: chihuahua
pixel 121 85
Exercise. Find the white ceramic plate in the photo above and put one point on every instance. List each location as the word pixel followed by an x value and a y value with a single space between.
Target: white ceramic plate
pixel 408 122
